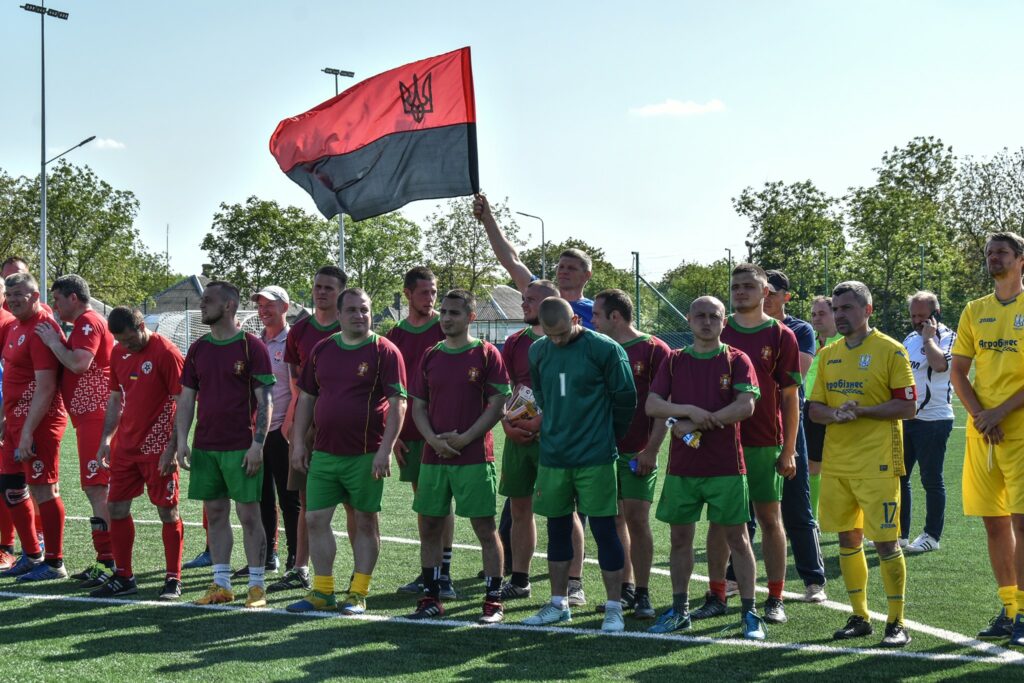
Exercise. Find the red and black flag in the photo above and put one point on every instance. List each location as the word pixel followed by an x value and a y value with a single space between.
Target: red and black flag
pixel 406 134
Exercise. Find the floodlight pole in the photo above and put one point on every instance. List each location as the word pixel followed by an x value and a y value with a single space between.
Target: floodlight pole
pixel 543 245
pixel 341 214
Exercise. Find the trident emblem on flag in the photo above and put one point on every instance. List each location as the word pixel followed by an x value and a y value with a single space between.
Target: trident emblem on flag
pixel 418 98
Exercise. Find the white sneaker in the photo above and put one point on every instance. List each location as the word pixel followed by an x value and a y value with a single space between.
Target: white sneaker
pixel 577 598
pixel 731 588
pixel 925 543
pixel 814 593
pixel 613 621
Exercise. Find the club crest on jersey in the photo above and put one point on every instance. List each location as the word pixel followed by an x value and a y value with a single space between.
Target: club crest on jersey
pixel 21 340
pixel 87 329
pixel 766 353
pixel 147 367
pixel 474 374
pixel 94 468
pixel 1018 322
pixel 239 367
pixel 865 361
pixel 723 382
pixel 37 468
pixel 638 368
pixel 363 369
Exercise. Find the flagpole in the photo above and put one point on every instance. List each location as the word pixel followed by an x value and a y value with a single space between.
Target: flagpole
pixel 341 214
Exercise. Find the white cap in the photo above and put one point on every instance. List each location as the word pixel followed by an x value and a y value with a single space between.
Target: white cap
pixel 274 293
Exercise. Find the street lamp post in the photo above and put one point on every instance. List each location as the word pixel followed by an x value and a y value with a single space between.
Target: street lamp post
pixel 728 294
pixel 43 12
pixel 341 215
pixel 543 245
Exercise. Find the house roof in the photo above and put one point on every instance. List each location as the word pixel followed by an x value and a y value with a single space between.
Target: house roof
pixel 504 303
pixel 198 283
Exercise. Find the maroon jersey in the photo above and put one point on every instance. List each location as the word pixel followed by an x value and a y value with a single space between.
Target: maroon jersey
pixel 85 395
pixel 412 343
pixel 148 382
pixel 352 385
pixel 457 385
pixel 226 373
pixel 24 354
pixel 773 349
pixel 516 355
pixel 303 336
pixel 710 381
pixel 646 354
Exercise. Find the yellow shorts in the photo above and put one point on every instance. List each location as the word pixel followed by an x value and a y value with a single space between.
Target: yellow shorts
pixel 869 504
pixel 996 489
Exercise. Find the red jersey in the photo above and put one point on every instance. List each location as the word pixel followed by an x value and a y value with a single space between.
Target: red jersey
pixel 773 349
pixel 86 395
pixel 24 353
pixel 226 373
pixel 516 356
pixel 710 381
pixel 302 337
pixel 352 385
pixel 148 382
pixel 646 354
pixel 412 343
pixel 457 385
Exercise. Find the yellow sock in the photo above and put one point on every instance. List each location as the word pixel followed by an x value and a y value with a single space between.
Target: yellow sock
pixel 854 567
pixel 894 578
pixel 1008 596
pixel 323 584
pixel 1020 603
pixel 360 584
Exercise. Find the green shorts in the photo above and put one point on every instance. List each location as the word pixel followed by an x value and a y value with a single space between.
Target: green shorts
pixel 633 486
pixel 474 488
pixel 764 480
pixel 592 490
pixel 518 469
pixel 219 474
pixel 683 498
pixel 410 471
pixel 335 479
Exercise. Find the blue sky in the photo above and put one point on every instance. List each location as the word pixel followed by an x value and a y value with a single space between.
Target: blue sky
pixel 629 125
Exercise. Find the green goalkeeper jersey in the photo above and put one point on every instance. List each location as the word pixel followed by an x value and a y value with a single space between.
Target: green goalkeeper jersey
pixel 586 391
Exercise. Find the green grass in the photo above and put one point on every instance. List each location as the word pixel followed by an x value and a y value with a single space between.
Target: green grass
pixel 951 589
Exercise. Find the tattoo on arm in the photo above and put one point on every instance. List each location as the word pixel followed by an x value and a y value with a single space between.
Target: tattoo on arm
pixel 263 411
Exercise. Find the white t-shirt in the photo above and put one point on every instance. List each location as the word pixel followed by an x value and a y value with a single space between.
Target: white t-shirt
pixel 934 391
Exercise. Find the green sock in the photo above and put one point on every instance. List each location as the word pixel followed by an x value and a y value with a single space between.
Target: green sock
pixel 815 492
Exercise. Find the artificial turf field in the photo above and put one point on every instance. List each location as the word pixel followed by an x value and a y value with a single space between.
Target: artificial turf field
pixel 52 631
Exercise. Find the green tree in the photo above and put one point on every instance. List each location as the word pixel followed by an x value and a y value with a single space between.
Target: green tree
pixel 457 248
pixel 90 232
pixel 378 253
pixel 795 228
pixel 605 275
pixel 261 243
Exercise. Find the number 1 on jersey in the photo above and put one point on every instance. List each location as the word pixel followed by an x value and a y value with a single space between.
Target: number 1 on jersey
pixel 561 380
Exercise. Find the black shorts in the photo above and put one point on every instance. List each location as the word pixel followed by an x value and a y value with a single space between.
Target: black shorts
pixel 815 435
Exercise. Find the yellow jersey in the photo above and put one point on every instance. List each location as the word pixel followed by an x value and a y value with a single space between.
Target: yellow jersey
pixel 873 372
pixel 991 333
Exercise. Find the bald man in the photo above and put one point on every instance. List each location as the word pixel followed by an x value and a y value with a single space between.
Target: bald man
pixel 583 383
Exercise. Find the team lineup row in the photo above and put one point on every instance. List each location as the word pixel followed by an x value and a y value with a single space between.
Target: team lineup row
pixel 584 416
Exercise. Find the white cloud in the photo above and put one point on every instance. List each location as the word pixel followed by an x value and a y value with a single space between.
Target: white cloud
pixel 107 143
pixel 675 108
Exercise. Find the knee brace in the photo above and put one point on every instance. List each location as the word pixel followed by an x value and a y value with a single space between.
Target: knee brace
pixel 14 489
pixel 560 538
pixel 609 547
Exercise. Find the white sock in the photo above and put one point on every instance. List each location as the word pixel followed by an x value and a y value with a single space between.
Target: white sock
pixel 612 605
pixel 560 601
pixel 256 575
pixel 222 575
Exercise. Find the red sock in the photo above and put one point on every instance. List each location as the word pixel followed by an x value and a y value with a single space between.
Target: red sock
pixel 775 589
pixel 718 588
pixel 24 518
pixel 122 538
pixel 6 526
pixel 174 544
pixel 52 516
pixel 101 542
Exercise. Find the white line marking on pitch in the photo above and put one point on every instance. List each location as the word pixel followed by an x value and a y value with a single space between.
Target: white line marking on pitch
pixel 455 623
pixel 1002 653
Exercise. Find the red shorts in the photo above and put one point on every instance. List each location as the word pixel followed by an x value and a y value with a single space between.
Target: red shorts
pixel 128 476
pixel 44 466
pixel 89 431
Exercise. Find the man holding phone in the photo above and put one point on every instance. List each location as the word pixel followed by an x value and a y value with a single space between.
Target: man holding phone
pixel 929 348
